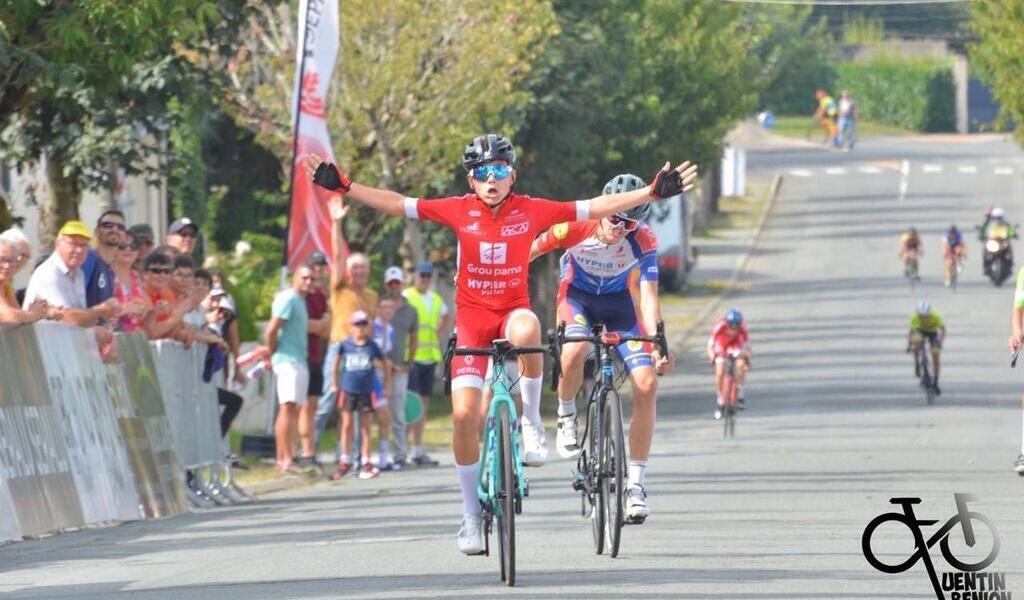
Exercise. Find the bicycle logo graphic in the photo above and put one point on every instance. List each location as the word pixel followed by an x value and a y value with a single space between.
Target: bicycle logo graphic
pixel 965 519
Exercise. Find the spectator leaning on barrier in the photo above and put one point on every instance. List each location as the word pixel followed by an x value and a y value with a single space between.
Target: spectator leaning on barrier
pixel 218 311
pixel 181 236
pixel 157 271
pixel 320 326
pixel 9 311
pixel 24 254
pixel 60 282
pixel 97 268
pixel 433 317
pixel 405 324
pixel 286 337
pixel 347 295
pixel 128 288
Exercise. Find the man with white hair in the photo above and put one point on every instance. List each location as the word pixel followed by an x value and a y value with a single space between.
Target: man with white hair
pixel 348 294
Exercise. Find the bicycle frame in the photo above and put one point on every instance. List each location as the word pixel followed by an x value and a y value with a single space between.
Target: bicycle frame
pixel 489 472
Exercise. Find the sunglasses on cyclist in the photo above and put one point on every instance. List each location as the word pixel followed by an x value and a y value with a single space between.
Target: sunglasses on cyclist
pixel 111 225
pixel 500 172
pixel 128 246
pixel 623 223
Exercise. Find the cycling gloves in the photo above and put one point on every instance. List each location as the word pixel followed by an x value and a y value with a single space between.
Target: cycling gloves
pixel 667 184
pixel 329 177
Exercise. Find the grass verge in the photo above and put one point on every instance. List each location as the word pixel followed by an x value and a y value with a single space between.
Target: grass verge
pixel 804 127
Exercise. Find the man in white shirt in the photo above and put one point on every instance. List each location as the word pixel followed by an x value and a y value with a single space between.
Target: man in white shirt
pixel 61 283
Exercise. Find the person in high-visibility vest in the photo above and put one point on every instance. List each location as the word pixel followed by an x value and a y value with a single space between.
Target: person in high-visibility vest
pixel 434 318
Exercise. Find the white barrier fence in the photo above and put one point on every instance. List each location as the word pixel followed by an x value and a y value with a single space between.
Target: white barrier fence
pixel 83 442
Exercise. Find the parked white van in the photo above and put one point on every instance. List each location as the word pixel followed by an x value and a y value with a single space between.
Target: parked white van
pixel 672 222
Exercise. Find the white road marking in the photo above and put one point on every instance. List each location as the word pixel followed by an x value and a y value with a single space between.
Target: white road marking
pixel 800 172
pixel 835 171
pixel 932 168
pixel 870 170
pixel 1003 171
pixel 967 169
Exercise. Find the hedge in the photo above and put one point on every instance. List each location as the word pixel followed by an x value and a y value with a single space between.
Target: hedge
pixel 912 93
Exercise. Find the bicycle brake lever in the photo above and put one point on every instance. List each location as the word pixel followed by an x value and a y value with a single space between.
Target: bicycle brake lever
pixel 1013 358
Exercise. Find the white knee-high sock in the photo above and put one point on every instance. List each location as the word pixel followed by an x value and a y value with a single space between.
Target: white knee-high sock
pixel 530 388
pixel 1022 442
pixel 467 484
pixel 566 407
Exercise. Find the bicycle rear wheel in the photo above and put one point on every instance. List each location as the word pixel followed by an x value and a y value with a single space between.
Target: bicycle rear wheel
pixel 595 446
pixel 506 497
pixel 615 471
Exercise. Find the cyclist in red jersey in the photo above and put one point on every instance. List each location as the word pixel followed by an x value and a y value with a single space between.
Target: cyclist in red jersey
pixel 495 228
pixel 729 334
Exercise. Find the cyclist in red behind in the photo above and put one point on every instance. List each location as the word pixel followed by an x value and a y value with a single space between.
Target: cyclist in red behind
pixel 494 228
pixel 729 334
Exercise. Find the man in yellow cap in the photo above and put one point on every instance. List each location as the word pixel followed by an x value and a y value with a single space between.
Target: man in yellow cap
pixel 59 279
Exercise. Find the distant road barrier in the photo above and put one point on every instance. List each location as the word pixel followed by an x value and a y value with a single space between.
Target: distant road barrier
pixel 85 443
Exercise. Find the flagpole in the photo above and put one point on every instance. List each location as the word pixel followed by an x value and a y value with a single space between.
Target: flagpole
pixel 295 148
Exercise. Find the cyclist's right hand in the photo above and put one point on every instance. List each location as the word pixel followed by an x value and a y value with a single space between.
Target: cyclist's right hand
pixel 1015 343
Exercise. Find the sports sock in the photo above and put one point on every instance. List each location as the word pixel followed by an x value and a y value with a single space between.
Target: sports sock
pixel 637 469
pixel 417 451
pixel 385 456
pixel 530 388
pixel 566 408
pixel 345 458
pixel 467 484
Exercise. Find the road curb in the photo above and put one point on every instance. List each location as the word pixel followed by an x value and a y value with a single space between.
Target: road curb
pixel 278 485
pixel 679 341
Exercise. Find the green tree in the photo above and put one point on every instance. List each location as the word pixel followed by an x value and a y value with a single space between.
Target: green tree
pixel 414 82
pixel 999 55
pixel 86 85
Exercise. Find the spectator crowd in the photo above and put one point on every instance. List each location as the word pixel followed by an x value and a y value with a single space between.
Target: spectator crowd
pixel 338 349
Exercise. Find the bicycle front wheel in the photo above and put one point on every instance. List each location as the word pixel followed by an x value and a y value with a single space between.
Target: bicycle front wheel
pixel 506 496
pixel 595 476
pixel 615 470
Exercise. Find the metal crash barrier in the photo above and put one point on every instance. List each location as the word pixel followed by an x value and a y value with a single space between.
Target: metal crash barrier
pixel 87 443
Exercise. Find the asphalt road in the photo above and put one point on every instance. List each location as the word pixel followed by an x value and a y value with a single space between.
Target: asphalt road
pixel 836 426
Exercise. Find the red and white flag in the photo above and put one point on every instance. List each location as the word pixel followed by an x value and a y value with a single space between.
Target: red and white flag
pixel 309 224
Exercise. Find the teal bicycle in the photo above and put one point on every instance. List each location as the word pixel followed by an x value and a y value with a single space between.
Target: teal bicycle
pixel 502 485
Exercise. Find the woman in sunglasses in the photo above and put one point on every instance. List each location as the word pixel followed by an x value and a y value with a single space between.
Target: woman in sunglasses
pixel 605 261
pixel 494 227
pixel 128 286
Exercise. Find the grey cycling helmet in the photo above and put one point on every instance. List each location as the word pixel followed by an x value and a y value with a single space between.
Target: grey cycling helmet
pixel 487 148
pixel 628 182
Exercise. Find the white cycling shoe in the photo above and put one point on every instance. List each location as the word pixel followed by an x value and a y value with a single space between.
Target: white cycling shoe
pixel 636 504
pixel 471 535
pixel 535 445
pixel 567 439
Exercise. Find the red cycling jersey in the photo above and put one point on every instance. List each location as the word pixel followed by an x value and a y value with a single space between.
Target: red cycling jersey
pixel 721 342
pixel 494 250
pixel 493 264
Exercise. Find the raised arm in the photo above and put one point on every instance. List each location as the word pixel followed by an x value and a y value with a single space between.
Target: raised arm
pixel 667 183
pixel 331 178
pixel 337 210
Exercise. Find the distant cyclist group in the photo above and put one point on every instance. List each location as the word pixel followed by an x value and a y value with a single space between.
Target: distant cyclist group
pixel 927 328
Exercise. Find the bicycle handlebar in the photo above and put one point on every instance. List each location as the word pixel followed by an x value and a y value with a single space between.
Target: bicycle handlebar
pixel 500 350
pixel 557 338
pixel 1013 358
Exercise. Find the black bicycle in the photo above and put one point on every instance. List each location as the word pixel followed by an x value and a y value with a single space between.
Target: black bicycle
pixel 923 349
pixel 601 467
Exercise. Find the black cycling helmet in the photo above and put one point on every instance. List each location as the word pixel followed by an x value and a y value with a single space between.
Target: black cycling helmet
pixel 627 182
pixel 487 148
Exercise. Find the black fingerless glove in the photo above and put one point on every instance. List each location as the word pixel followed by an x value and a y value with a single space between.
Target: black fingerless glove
pixel 329 177
pixel 667 184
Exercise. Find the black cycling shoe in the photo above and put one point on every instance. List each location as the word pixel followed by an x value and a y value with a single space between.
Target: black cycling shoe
pixel 938 392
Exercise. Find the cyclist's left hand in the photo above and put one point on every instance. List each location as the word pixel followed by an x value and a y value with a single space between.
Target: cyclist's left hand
pixel 662 364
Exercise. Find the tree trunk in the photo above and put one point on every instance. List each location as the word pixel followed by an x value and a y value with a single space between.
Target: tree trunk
pixel 61 204
pixel 5 213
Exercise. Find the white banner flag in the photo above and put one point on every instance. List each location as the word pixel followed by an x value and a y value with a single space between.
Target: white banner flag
pixel 309 225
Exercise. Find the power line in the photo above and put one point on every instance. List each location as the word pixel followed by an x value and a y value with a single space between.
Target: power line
pixel 848 2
